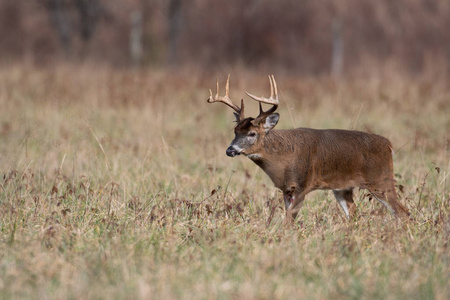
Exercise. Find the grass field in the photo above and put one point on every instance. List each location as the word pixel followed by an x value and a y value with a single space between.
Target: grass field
pixel 115 184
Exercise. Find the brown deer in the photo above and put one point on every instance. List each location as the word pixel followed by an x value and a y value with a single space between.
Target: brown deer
pixel 303 160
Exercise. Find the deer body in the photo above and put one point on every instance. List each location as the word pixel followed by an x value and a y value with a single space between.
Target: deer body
pixel 302 160
pixel 323 159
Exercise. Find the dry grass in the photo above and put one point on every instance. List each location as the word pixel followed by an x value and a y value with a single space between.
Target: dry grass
pixel 115 184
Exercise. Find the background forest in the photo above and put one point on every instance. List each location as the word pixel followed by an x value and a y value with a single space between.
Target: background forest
pixel 307 37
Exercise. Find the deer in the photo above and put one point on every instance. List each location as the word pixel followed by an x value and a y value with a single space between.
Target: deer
pixel 302 160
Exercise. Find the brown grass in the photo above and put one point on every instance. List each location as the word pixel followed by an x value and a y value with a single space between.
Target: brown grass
pixel 115 184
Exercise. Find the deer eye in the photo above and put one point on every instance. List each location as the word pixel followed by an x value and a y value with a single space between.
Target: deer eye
pixel 252 134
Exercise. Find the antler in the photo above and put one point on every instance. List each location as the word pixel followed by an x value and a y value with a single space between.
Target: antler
pixel 226 100
pixel 272 100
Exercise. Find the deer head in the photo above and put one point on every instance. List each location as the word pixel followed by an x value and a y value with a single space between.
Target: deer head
pixel 250 132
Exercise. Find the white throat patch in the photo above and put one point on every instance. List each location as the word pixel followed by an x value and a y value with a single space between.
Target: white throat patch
pixel 254 156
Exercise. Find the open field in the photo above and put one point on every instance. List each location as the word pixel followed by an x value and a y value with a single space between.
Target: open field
pixel 115 184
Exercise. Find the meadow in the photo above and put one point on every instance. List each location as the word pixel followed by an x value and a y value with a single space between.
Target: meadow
pixel 114 184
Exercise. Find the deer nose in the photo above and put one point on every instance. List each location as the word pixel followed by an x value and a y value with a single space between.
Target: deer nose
pixel 231 151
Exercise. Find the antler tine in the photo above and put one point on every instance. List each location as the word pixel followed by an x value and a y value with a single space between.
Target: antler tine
pixel 275 87
pixel 271 86
pixel 227 87
pixel 273 98
pixel 217 89
pixel 226 99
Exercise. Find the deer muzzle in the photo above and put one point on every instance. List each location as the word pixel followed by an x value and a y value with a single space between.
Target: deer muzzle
pixel 231 151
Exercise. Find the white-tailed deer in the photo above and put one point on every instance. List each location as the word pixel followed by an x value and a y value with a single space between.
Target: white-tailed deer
pixel 303 160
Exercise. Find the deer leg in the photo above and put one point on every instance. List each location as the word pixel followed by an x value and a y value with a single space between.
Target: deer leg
pixel 288 196
pixel 345 200
pixel 287 200
pixel 388 197
pixel 293 199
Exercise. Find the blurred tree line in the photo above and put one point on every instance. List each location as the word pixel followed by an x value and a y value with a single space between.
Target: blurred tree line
pixel 311 37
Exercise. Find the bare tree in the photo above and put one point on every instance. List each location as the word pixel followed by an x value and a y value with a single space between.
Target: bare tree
pixel 89 12
pixel 59 18
pixel 61 13
pixel 337 59
pixel 136 38
pixel 175 21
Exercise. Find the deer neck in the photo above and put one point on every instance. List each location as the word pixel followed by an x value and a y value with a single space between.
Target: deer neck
pixel 272 156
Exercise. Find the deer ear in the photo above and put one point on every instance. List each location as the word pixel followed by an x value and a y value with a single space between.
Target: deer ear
pixel 237 117
pixel 271 121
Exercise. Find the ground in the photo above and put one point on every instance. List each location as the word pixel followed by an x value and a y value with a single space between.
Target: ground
pixel 115 184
